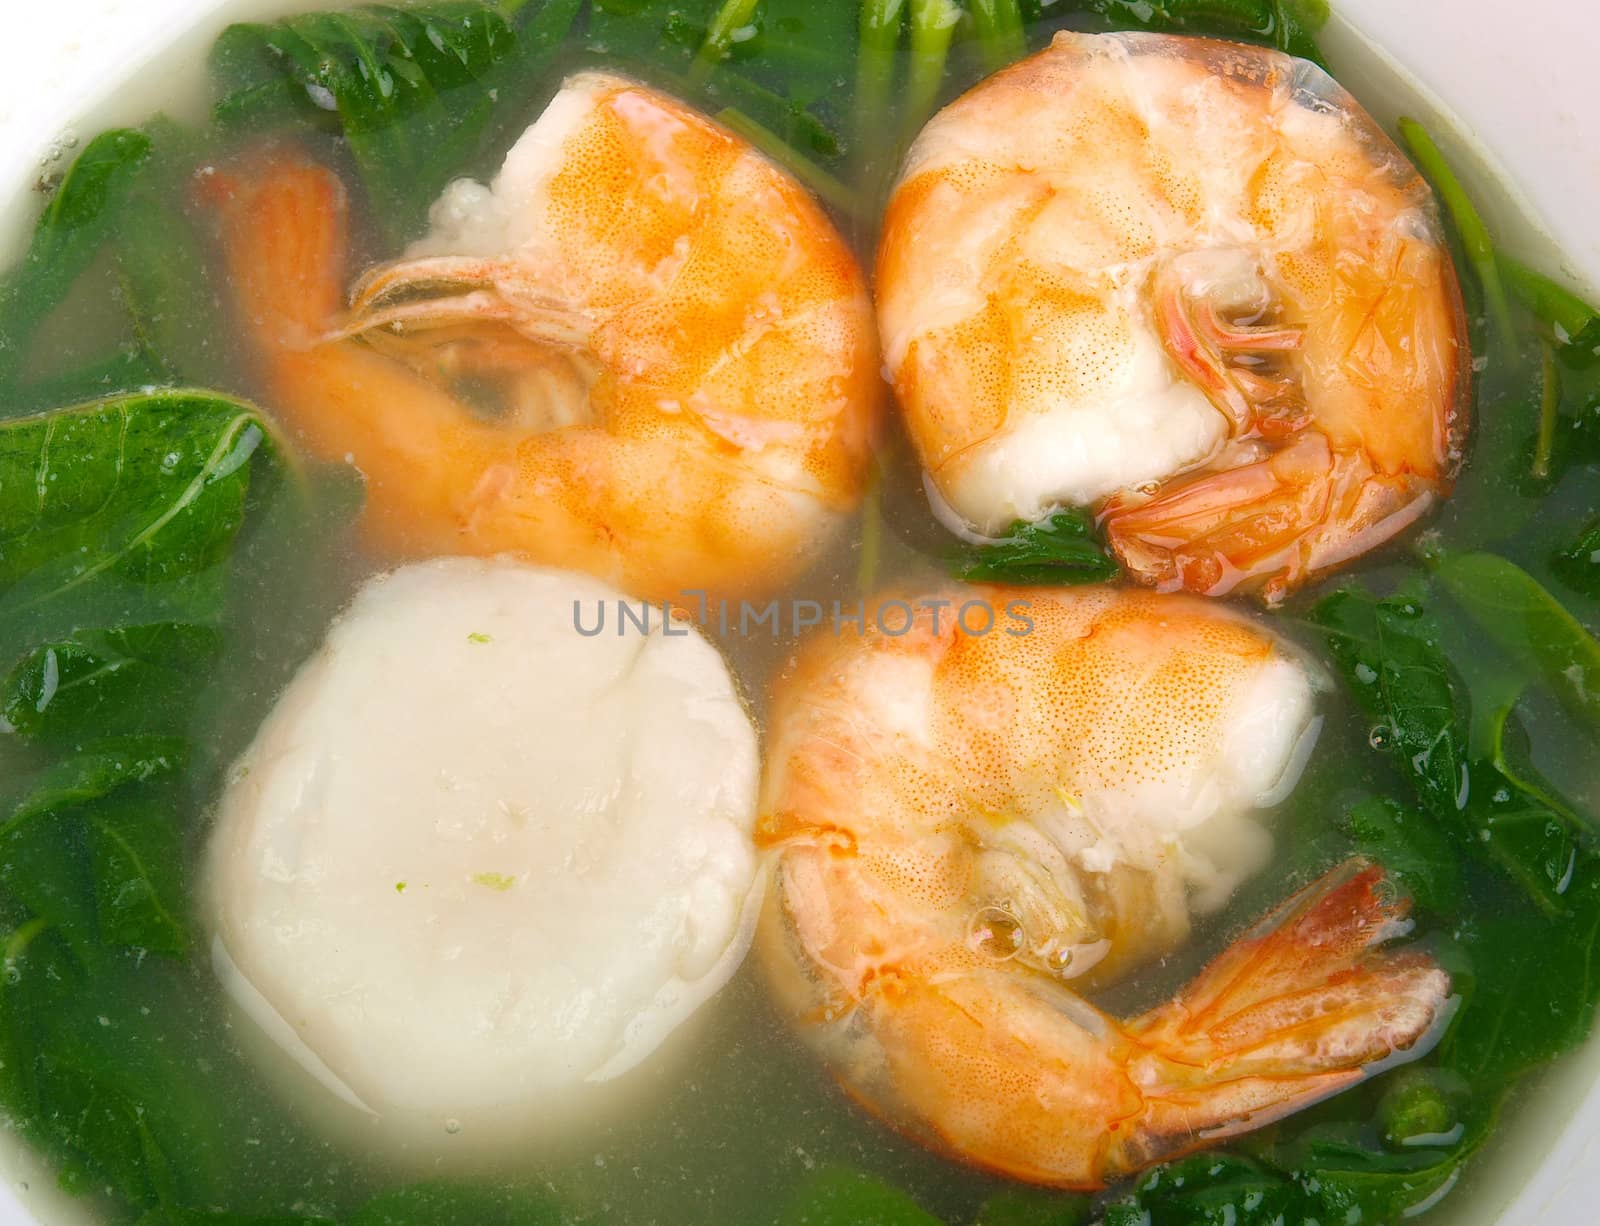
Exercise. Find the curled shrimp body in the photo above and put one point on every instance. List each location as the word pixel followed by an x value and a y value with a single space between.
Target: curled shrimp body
pixel 972 833
pixel 642 352
pixel 1188 283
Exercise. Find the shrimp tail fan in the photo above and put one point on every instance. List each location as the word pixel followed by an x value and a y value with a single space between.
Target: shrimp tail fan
pixel 1305 1005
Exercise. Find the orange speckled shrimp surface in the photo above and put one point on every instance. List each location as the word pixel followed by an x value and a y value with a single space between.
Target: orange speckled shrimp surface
pixel 1190 284
pixel 974 832
pixel 673 348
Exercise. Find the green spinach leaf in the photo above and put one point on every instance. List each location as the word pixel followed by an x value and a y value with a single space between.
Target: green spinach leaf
pixel 1519 613
pixel 72 228
pixel 43 866
pixel 1508 751
pixel 1205 1189
pixel 1330 1172
pixel 131 493
pixel 1389 653
pixel 135 852
pixel 106 509
pixel 108 682
pixel 168 290
pixel 1289 25
pixel 112 1070
pixel 43 862
pixel 97 770
pixel 124 196
pixel 134 1056
pixel 838 1196
pixel 777 83
pixel 413 90
pixel 1532 986
pixel 1345 1178
pixel 1505 816
pixel 1059 550
pixel 1578 565
pixel 1530 842
pixel 28 947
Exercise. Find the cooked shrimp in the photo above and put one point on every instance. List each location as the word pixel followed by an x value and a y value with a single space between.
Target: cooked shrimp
pixel 1189 283
pixel 972 832
pixel 681 348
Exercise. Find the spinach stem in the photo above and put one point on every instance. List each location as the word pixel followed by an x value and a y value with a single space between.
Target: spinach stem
pixel 733 16
pixel 832 190
pixel 1558 306
pixel 881 24
pixel 1549 407
pixel 933 25
pixel 1469 223
pixel 999 26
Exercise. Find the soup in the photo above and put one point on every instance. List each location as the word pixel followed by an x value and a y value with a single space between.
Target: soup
pixel 466 577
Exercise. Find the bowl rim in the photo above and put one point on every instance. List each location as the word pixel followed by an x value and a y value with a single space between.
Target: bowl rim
pixel 84 53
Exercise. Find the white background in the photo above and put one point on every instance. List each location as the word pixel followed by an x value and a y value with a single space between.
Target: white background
pixel 1525 91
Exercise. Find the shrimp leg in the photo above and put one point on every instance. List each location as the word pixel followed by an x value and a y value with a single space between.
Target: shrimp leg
pixel 642 352
pixel 575 470
pixel 1232 329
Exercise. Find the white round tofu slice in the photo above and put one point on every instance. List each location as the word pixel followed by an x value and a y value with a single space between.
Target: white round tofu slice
pixel 475 862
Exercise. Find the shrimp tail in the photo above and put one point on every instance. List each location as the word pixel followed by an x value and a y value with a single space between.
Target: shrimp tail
pixel 283 223
pixel 284 230
pixel 1304 1006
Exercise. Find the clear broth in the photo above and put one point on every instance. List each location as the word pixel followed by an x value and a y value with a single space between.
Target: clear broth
pixel 739 1113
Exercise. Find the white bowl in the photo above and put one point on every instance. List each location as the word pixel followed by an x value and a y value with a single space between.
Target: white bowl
pixel 1513 96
